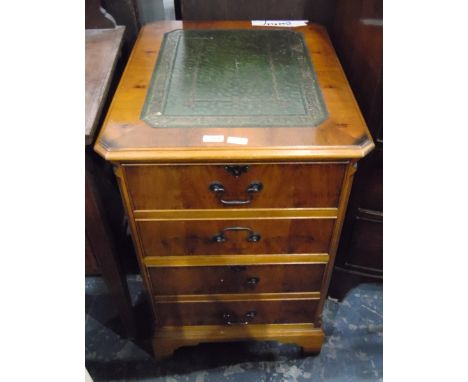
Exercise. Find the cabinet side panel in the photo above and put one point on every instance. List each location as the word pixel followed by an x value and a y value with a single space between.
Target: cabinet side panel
pixel 344 197
pixel 136 241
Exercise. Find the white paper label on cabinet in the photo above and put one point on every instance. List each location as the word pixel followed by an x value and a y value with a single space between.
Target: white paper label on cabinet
pixel 279 23
pixel 238 140
pixel 213 138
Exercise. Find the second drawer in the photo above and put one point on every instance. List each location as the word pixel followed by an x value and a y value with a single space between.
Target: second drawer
pixel 233 237
pixel 237 279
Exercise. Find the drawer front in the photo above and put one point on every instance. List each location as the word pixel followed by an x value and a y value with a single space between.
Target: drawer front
pixel 236 312
pixel 154 187
pixel 235 237
pixel 237 279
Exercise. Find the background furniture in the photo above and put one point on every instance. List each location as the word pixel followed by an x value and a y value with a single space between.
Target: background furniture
pixel 102 14
pixel 317 11
pixel 102 209
pixel 234 242
pixel 357 37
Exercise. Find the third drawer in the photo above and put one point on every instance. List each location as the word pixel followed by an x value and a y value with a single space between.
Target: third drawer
pixel 237 279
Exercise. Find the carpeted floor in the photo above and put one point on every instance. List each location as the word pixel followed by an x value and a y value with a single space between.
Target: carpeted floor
pixel 352 350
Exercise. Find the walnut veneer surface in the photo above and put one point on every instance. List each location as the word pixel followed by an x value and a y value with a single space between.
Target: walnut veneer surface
pixel 235 241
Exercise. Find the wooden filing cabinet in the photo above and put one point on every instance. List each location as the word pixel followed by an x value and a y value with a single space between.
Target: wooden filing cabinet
pixel 235 238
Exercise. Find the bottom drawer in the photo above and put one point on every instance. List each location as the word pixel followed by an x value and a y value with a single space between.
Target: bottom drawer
pixel 236 312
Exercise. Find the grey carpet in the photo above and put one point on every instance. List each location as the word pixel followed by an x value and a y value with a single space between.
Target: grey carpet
pixel 352 350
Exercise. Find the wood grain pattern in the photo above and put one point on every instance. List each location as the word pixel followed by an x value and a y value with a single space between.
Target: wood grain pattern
pixel 179 238
pixel 296 219
pixel 187 186
pixel 211 313
pixel 168 338
pixel 131 222
pixel 102 51
pixel 126 138
pixel 236 213
pixel 351 170
pixel 189 298
pixel 236 279
pixel 200 261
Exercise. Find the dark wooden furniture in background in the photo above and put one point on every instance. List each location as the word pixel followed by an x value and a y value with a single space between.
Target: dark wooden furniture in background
pixel 102 14
pixel 317 11
pixel 95 18
pixel 102 210
pixel 125 12
pixel 194 206
pixel 357 37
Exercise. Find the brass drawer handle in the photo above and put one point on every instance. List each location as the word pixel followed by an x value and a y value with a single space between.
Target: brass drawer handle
pixel 252 237
pixel 219 190
pixel 248 317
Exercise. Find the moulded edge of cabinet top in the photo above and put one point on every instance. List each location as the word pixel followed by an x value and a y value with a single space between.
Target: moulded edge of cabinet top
pixel 126 138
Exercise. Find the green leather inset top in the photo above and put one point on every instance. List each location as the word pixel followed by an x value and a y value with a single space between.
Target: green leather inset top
pixel 233 78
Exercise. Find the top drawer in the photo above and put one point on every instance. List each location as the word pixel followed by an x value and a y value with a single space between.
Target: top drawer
pixel 153 187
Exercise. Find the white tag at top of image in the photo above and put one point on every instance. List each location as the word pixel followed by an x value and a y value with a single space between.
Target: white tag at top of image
pixel 279 23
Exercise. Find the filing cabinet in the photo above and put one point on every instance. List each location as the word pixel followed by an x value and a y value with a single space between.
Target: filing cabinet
pixel 235 210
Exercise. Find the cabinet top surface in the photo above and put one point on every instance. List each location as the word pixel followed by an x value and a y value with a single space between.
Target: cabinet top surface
pixel 233 78
pixel 203 91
